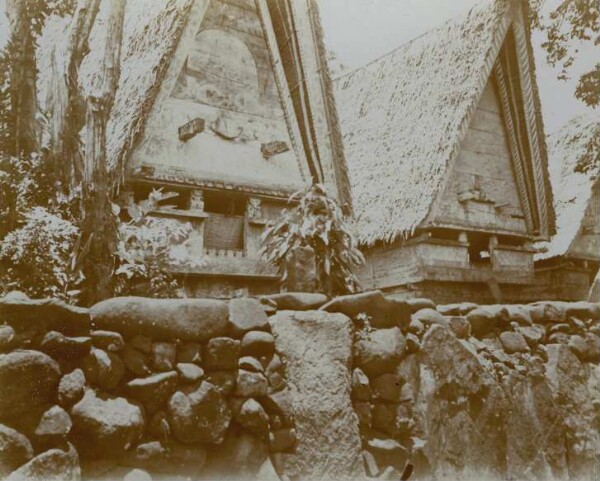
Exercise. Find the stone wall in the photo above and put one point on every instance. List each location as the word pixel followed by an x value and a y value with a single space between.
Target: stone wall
pixel 140 389
pixel 476 392
pixel 295 386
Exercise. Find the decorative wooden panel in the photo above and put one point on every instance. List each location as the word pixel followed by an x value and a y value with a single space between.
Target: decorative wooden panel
pixel 224 232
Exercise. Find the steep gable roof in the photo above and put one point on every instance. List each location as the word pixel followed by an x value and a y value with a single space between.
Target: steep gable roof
pixel 572 185
pixel 403 117
pixel 152 32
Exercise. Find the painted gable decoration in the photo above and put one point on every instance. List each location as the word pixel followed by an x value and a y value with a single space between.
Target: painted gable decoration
pixel 228 71
pixel 204 97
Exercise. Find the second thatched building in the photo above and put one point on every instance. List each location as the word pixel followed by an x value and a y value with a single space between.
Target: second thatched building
pixel 445 149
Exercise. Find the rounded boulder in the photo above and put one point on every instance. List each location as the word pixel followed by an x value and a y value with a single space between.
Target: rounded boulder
pixel 200 416
pixel 28 379
pixel 105 425
pixel 380 351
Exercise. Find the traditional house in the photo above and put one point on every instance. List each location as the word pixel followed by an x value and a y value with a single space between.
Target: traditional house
pixel 227 103
pixel 567 264
pixel 447 161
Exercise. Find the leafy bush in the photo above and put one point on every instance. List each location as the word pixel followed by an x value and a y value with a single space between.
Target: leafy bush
pixel 35 256
pixel 146 246
pixel 316 222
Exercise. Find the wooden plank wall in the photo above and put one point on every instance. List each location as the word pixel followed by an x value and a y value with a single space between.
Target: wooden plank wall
pixel 484 154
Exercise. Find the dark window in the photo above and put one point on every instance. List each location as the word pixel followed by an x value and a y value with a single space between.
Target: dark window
pixel 479 249
pixel 224 229
pixel 446 234
pixel 224 203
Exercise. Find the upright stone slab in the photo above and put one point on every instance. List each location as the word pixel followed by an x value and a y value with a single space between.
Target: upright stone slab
pixel 316 348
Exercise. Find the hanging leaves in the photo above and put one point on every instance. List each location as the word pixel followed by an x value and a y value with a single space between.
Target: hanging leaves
pixel 316 222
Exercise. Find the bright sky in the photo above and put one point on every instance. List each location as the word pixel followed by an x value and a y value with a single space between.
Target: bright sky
pixel 358 31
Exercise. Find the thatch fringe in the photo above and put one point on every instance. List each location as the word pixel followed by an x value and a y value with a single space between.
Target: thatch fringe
pixel 335 133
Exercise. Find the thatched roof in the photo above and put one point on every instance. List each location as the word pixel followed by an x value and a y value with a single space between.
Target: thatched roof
pixel 404 115
pixel 152 32
pixel 572 185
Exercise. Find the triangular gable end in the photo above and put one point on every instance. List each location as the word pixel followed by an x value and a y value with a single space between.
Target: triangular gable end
pixel 514 88
pixel 227 73
pixel 481 191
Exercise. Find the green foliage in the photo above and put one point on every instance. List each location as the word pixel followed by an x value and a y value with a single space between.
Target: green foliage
pixel 589 161
pixel 146 246
pixel 316 222
pixel 34 257
pixel 570 23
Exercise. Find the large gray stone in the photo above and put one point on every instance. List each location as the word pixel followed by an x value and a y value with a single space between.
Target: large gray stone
pixel 29 379
pixel 199 416
pixel 297 301
pixel 222 353
pixel 529 432
pixel 258 344
pixel 428 316
pixel 165 319
pixel 63 347
pixel 54 426
pixel 15 450
pixel 152 391
pixel 251 384
pixel 547 312
pixel 513 342
pixel 103 369
pixel 105 425
pixel 189 372
pixel 316 348
pixel 107 340
pixel 379 351
pixel 464 410
pixel 51 465
pixel 246 314
pixel 43 315
pixel 382 311
pixel 568 378
pixel 253 417
pixel 485 319
pixel 71 388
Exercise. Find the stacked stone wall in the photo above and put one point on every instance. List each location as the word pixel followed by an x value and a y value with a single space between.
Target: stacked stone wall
pixel 468 391
pixel 296 386
pixel 140 389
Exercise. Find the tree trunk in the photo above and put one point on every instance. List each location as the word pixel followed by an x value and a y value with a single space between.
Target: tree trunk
pixel 67 107
pixel 99 230
pixel 22 133
pixel 23 92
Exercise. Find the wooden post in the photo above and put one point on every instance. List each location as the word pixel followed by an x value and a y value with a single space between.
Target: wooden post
pixel 99 232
